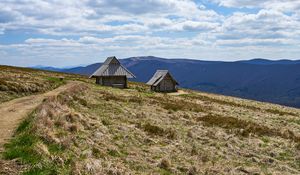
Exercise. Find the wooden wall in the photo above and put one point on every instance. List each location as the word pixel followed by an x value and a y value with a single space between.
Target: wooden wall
pixel 114 81
pixel 166 85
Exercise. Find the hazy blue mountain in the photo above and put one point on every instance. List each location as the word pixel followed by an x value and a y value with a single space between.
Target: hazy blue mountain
pixel 268 62
pixel 258 79
pixel 48 68
pixel 87 70
pixel 62 69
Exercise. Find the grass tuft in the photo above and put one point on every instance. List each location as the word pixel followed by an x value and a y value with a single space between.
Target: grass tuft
pixel 159 131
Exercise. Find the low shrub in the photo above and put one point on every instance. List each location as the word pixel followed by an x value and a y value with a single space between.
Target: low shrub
pixel 165 164
pixel 246 127
pixel 153 129
pixel 73 128
pixel 156 130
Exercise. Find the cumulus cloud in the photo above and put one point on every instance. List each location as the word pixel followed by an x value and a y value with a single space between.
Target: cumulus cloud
pixel 92 16
pixel 72 29
pixel 7 15
pixel 266 27
pixel 281 5
pixel 121 41
pixel 131 6
pixel 197 26
pixel 181 8
pixel 256 42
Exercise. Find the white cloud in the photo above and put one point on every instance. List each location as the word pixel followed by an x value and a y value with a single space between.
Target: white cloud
pixel 184 8
pixel 121 41
pixel 280 5
pixel 74 29
pixel 196 26
pixel 265 27
pixel 256 42
pixel 94 48
pixel 41 42
pixel 76 17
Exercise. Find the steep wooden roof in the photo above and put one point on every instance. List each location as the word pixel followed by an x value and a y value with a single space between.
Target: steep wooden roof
pixel 159 76
pixel 112 67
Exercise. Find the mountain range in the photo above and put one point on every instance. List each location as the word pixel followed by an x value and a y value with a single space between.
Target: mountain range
pixel 257 79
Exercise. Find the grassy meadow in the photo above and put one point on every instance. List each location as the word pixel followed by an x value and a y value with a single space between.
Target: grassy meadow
pixel 92 129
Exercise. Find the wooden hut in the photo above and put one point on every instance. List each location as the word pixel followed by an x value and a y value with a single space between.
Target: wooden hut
pixel 112 73
pixel 162 81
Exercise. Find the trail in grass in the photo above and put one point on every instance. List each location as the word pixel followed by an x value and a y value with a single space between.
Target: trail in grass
pixel 179 92
pixel 14 111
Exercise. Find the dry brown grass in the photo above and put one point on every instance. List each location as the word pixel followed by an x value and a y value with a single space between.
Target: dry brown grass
pixel 108 96
pixel 175 104
pixel 93 129
pixel 235 104
pixel 156 130
pixel 17 82
pixel 55 113
pixel 246 127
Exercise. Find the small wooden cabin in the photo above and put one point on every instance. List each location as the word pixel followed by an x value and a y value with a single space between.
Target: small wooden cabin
pixel 112 73
pixel 163 81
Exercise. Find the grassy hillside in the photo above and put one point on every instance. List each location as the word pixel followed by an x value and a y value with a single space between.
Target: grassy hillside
pixel 17 82
pixel 92 129
pixel 258 79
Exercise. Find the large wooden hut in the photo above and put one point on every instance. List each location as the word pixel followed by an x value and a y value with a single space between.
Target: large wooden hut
pixel 112 73
pixel 163 81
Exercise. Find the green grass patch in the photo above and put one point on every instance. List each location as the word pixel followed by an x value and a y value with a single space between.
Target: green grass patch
pixel 286 155
pixel 25 125
pixel 265 139
pixel 44 170
pixel 54 79
pixel 165 172
pixel 24 147
pixel 114 153
pixel 55 148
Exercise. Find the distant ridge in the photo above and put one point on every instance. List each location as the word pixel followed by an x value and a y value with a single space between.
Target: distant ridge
pixel 257 79
pixel 268 62
pixel 48 68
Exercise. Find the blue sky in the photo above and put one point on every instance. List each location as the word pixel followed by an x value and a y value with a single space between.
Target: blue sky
pixel 75 32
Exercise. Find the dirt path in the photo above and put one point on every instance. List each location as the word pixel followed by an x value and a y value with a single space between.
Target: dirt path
pixel 179 92
pixel 14 111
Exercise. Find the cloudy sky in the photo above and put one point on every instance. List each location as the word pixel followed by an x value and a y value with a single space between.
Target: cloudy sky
pixel 74 32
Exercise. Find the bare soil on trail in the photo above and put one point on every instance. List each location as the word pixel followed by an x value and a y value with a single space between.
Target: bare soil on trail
pixel 14 111
pixel 179 92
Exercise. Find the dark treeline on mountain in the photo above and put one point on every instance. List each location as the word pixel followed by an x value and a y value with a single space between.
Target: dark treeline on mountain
pixel 257 79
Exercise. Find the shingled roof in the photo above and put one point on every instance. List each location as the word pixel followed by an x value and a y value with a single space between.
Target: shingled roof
pixel 158 76
pixel 112 67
